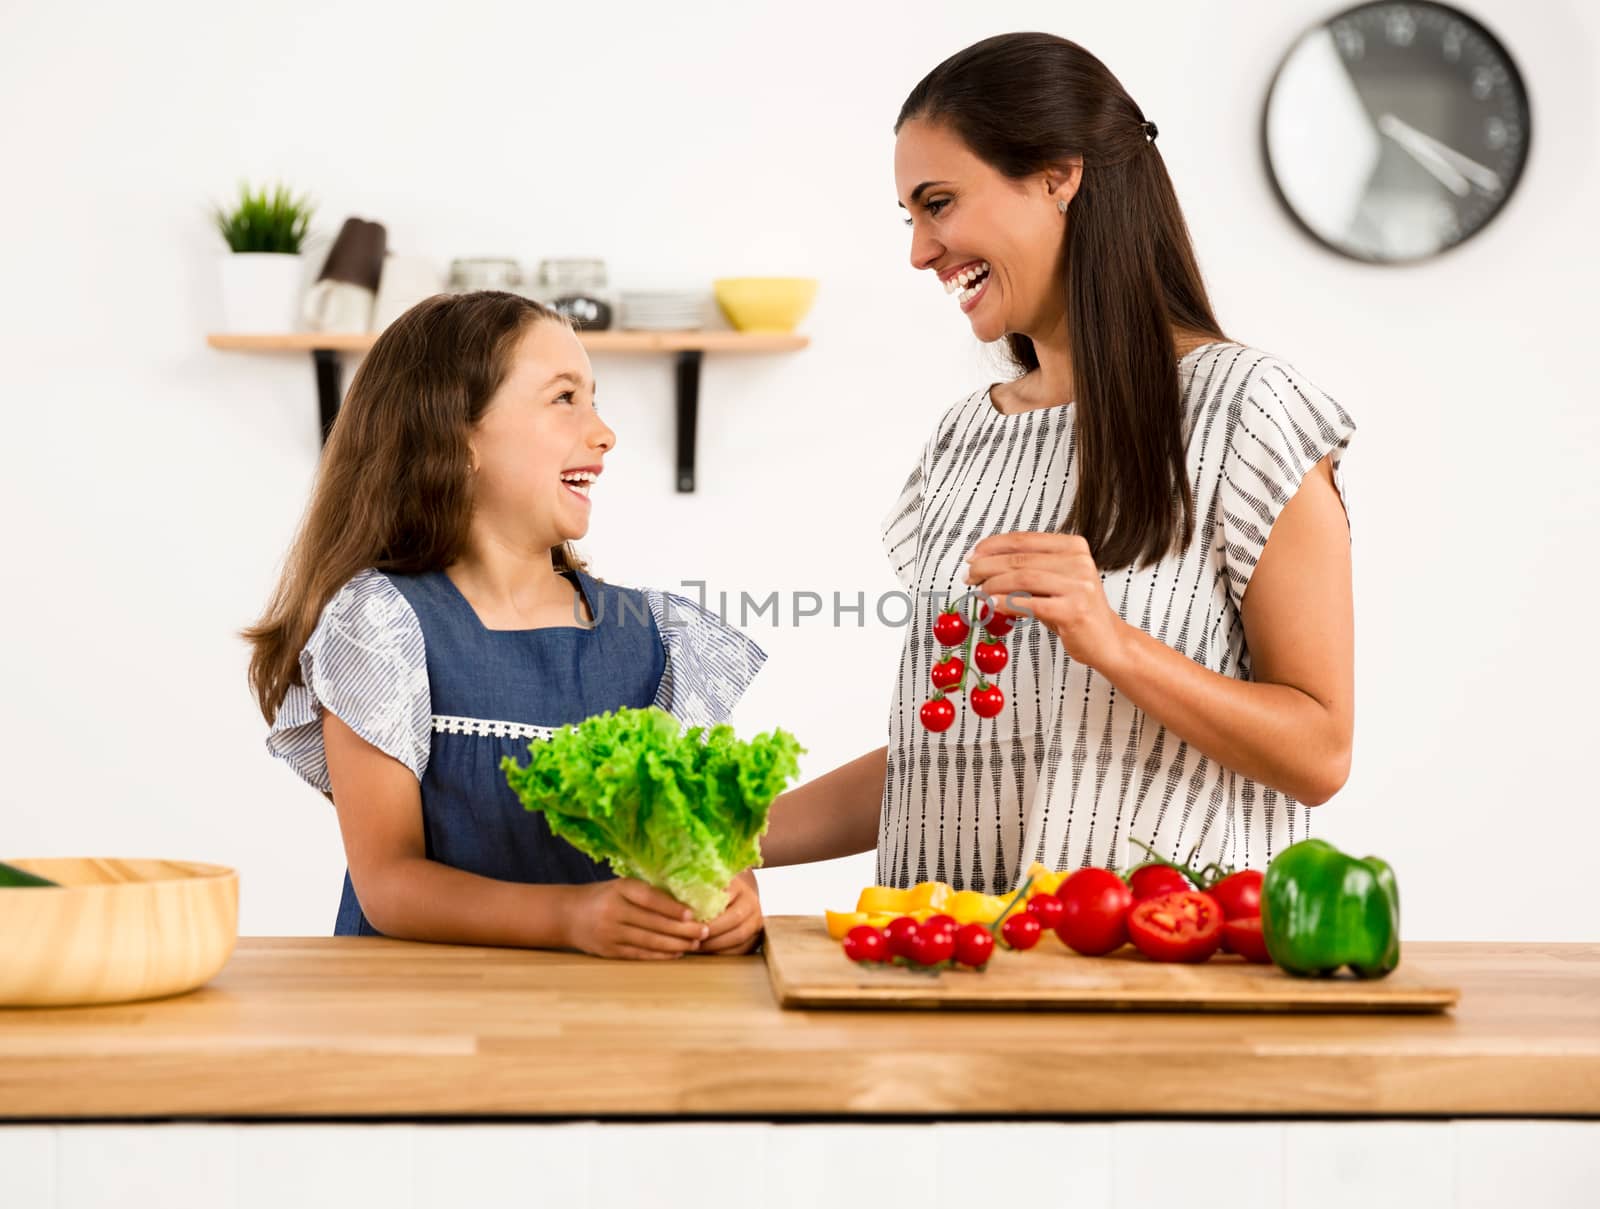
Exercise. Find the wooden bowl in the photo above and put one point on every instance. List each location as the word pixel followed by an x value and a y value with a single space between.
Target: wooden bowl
pixel 114 930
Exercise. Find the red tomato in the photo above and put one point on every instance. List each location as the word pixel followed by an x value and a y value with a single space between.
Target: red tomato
pixel 1186 926
pixel 990 657
pixel 974 946
pixel 1094 915
pixel 938 715
pixel 950 629
pixel 899 932
pixel 1243 936
pixel 1152 881
pixel 999 625
pixel 947 674
pixel 1048 908
pixel 987 700
pixel 941 921
pixel 865 943
pixel 1021 930
pixel 1238 894
pixel 932 946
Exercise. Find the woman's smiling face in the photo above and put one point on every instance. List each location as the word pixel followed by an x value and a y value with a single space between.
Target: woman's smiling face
pixel 995 243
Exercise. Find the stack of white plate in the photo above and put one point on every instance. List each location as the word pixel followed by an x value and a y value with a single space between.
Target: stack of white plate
pixel 663 310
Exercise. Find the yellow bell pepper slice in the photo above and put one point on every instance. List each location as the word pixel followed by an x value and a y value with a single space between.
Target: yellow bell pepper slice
pixel 1044 881
pixel 934 895
pixel 880 900
pixel 974 907
pixel 840 922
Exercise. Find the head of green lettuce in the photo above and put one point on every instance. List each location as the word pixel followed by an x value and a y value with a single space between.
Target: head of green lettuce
pixel 681 810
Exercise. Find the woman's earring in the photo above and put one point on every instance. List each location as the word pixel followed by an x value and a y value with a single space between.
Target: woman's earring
pixel 1062 206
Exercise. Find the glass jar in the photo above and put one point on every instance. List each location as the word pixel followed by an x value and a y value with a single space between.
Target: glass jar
pixel 576 287
pixel 484 273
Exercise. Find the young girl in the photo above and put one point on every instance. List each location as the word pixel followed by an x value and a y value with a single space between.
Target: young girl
pixel 433 618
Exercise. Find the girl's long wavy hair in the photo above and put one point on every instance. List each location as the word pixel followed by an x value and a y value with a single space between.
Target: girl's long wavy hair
pixel 1027 102
pixel 394 490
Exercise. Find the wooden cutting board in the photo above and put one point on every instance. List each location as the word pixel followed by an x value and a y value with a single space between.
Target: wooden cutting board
pixel 809 970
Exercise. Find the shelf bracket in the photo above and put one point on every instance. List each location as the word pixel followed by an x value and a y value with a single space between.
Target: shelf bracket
pixel 329 388
pixel 689 361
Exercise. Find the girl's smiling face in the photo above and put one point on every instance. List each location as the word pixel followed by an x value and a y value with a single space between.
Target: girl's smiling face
pixel 540 443
pixel 995 243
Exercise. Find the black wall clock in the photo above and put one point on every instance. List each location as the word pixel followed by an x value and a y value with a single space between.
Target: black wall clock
pixel 1395 131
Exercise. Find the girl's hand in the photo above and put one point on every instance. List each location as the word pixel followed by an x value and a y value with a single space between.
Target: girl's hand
pixel 737 929
pixel 1057 575
pixel 624 917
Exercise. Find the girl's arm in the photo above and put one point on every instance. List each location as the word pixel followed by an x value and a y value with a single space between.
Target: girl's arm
pixel 834 815
pixel 1290 725
pixel 407 896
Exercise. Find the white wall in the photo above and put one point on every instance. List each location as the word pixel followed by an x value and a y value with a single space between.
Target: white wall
pixel 150 485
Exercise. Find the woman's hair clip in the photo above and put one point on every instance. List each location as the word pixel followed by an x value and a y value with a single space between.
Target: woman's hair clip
pixel 1150 131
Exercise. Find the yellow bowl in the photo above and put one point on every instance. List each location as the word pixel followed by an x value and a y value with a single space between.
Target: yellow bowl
pixel 765 304
pixel 114 930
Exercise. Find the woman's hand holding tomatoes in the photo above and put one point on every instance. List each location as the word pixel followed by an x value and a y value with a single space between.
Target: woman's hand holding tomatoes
pixel 1055 580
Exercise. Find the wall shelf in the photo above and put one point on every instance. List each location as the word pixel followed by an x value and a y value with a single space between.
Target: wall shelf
pixel 690 347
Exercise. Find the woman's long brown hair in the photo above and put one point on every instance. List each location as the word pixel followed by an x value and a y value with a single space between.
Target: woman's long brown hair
pixel 394 491
pixel 1027 102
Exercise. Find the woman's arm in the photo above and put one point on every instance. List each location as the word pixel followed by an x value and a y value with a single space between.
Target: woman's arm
pixel 405 895
pixel 1290 725
pixel 834 815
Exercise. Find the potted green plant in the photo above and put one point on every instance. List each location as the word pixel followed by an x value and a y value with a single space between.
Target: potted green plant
pixel 261 273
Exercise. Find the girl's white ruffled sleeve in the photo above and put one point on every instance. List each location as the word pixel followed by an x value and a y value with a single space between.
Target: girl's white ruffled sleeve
pixel 365 662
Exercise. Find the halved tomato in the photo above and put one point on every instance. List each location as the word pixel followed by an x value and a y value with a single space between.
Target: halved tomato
pixel 1186 926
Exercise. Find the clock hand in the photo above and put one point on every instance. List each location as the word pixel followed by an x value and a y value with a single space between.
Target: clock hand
pixel 1425 155
pixel 1485 178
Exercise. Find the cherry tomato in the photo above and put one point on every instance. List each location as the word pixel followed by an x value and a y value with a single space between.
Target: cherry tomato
pixel 864 943
pixel 941 920
pixel 932 946
pixel 1238 894
pixel 899 932
pixel 1186 926
pixel 938 715
pixel 1047 908
pixel 987 700
pixel 974 946
pixel 950 629
pixel 990 657
pixel 1021 930
pixel 948 674
pixel 1094 915
pixel 999 625
pixel 1243 936
pixel 1152 881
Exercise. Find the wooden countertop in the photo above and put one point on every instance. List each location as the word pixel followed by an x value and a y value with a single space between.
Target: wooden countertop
pixel 379 1028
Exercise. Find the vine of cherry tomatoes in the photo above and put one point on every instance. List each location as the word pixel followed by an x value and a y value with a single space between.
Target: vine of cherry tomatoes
pixel 988 656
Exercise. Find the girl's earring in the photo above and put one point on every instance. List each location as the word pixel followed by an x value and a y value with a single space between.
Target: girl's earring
pixel 1062 206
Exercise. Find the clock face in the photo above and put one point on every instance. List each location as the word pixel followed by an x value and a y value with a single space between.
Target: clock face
pixel 1396 131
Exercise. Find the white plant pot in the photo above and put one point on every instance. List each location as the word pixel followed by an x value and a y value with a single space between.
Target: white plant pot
pixel 260 291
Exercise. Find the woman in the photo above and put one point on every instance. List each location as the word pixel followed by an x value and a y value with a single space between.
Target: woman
pixel 1165 502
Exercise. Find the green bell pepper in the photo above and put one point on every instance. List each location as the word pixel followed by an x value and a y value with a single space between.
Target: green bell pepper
pixel 1321 910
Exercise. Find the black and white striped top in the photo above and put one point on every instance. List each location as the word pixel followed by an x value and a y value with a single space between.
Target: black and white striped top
pixel 1069 769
